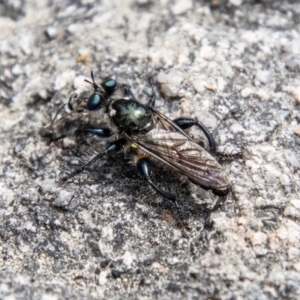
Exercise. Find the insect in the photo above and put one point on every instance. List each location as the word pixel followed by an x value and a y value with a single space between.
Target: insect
pixel 149 134
pixel 82 118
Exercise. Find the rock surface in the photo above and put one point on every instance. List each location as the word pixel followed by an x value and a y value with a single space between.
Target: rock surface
pixel 233 65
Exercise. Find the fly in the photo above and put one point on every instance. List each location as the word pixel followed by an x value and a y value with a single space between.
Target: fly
pixel 150 135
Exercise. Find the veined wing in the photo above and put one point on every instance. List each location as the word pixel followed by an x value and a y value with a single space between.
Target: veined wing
pixel 183 154
pixel 163 122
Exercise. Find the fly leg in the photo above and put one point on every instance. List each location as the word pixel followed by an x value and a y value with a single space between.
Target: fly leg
pixel 143 169
pixel 96 132
pixel 112 147
pixel 100 132
pixel 151 102
pixel 185 123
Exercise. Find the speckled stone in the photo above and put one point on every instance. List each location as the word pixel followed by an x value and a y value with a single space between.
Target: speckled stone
pixel 233 65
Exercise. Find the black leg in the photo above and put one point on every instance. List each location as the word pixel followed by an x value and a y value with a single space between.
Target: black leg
pixel 151 102
pixel 185 123
pixel 101 132
pixel 112 147
pixel 143 169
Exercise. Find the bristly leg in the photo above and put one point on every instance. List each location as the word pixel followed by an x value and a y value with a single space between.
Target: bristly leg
pixel 142 165
pixel 231 156
pixel 112 147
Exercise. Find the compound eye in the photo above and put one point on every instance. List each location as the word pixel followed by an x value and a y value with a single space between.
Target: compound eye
pixel 109 86
pixel 94 101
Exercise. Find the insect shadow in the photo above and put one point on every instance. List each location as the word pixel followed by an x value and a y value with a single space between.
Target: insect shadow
pixel 129 187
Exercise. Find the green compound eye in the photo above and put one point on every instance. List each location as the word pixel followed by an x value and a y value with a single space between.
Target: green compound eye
pixel 94 101
pixel 109 86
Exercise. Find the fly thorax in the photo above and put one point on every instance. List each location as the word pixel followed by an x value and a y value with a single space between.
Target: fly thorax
pixel 131 116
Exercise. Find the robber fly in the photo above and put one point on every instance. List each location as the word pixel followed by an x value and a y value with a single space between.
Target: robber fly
pixel 113 110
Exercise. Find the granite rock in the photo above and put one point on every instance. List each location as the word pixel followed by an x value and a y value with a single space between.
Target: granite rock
pixel 233 65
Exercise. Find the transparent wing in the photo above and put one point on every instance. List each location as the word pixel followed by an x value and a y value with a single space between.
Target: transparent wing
pixel 182 153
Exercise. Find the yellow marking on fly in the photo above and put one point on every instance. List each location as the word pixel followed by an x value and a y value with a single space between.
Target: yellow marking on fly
pixel 140 156
pixel 134 145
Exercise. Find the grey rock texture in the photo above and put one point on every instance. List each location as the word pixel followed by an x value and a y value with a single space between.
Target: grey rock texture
pixel 234 65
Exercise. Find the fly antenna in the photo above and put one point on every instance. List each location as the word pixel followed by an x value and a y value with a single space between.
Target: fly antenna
pixel 94 84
